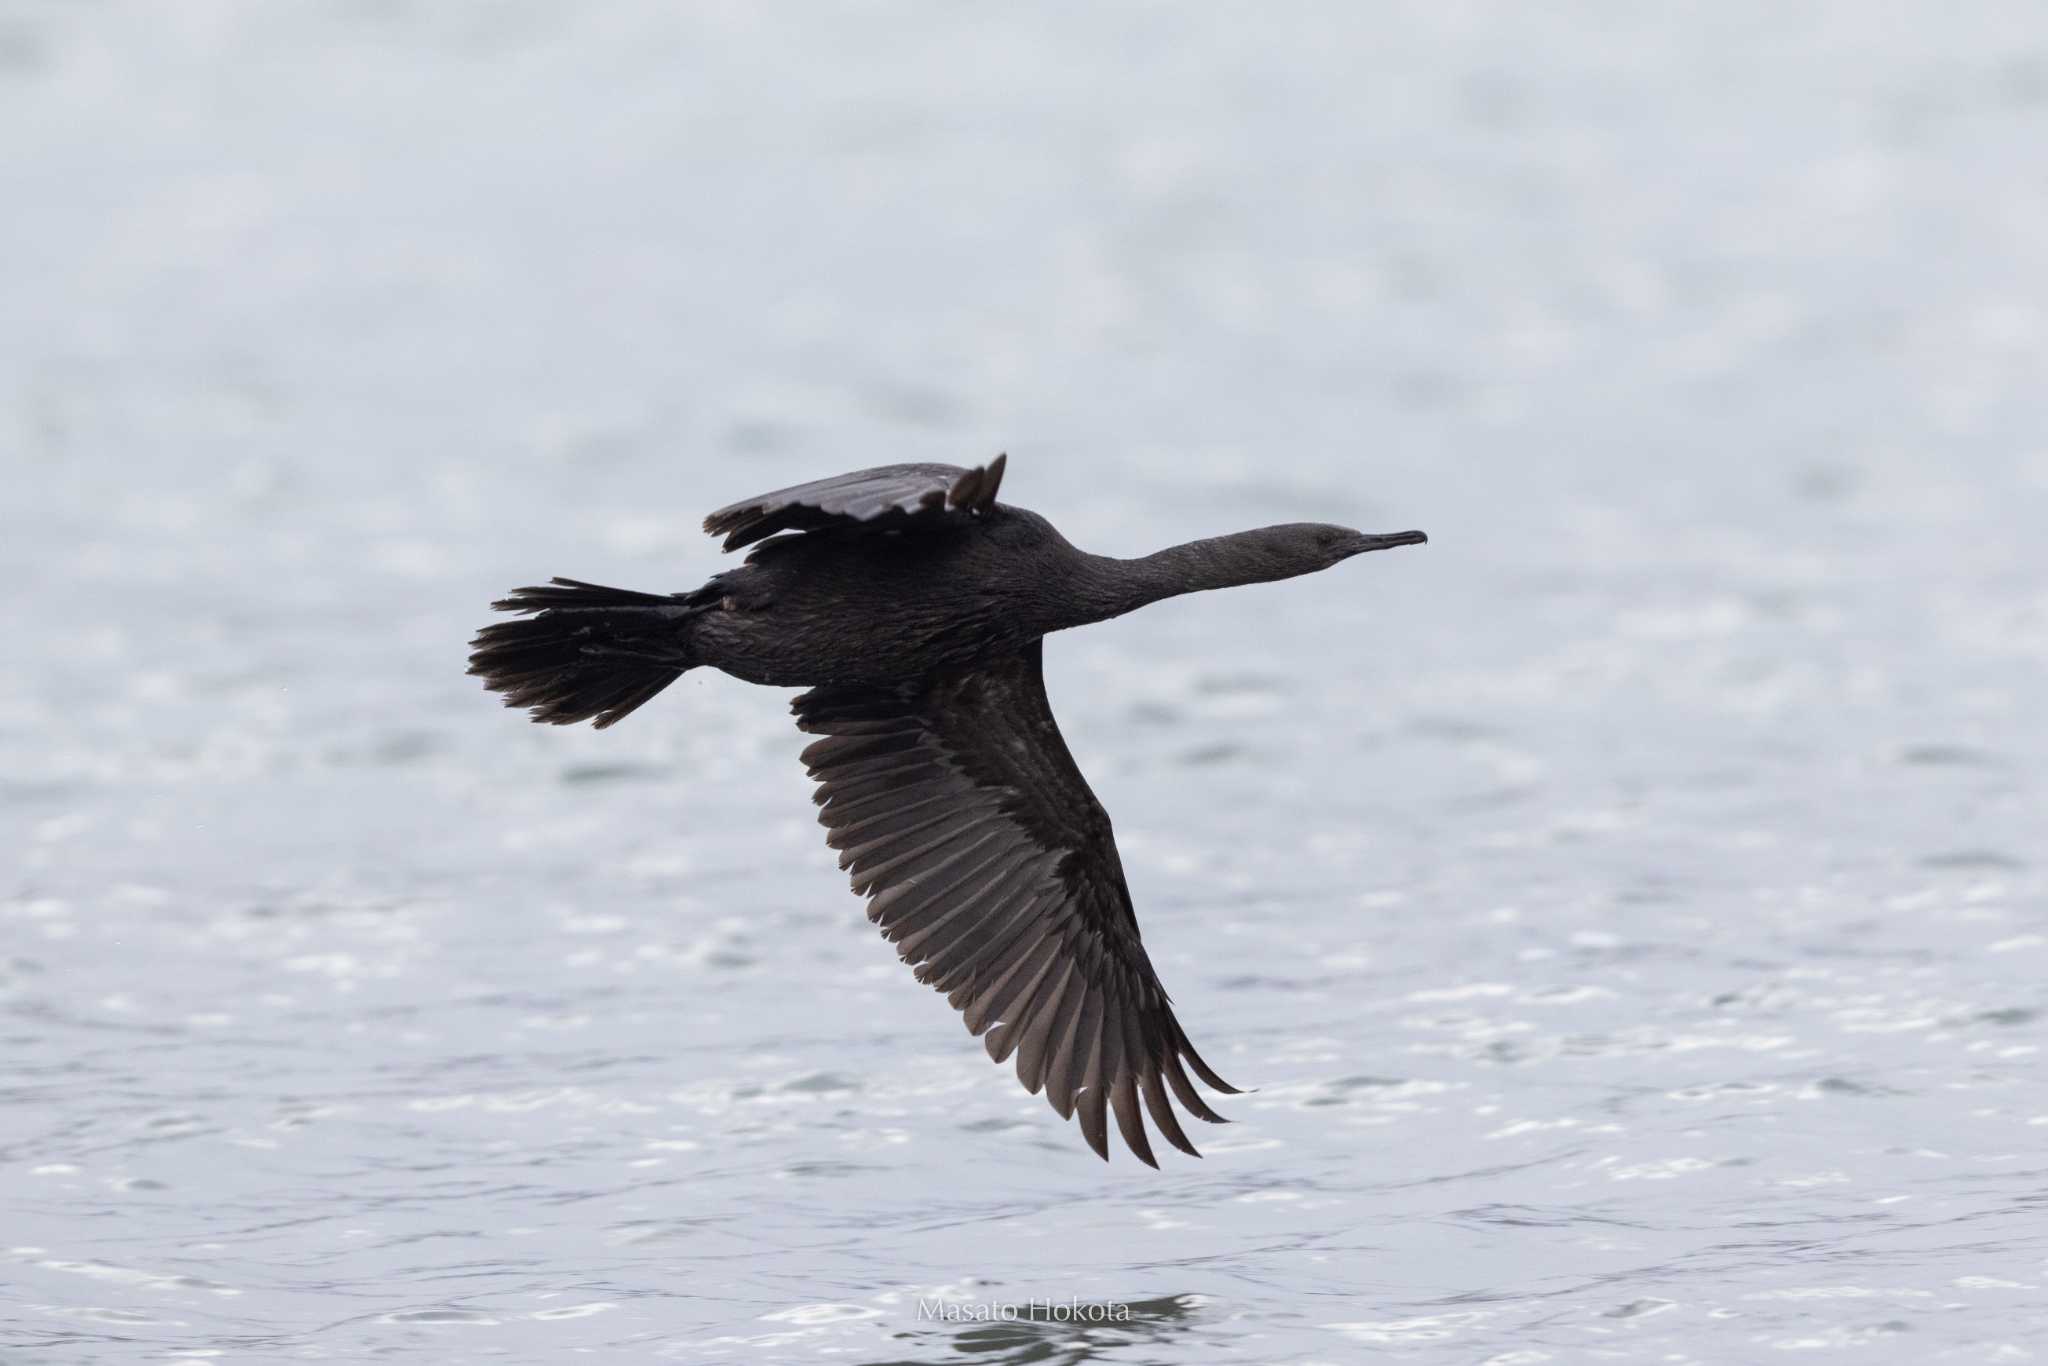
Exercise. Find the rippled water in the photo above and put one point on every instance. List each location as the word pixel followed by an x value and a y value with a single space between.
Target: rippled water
pixel 1630 907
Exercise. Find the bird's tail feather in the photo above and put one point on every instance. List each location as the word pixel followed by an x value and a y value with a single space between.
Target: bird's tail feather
pixel 583 651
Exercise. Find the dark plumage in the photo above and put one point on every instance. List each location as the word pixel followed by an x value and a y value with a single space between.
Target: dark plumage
pixel 914 607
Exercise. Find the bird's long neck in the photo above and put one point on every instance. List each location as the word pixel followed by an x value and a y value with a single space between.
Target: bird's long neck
pixel 1108 587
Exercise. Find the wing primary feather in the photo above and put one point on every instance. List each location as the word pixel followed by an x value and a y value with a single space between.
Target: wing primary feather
pixel 1045 1013
pixel 846 825
pixel 1091 1105
pixel 924 859
pixel 852 724
pixel 926 827
pixel 988 963
pixel 1202 1069
pixel 1001 918
pixel 839 793
pixel 909 906
pixel 1123 1099
pixel 1103 1057
pixel 962 914
pixel 992 1011
pixel 935 930
pixel 1162 1111
pixel 1169 1063
pixel 1069 1067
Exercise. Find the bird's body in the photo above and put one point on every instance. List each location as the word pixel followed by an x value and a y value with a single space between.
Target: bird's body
pixel 843 605
pixel 913 606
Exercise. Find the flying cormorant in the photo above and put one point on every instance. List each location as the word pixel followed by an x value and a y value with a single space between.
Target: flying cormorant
pixel 914 607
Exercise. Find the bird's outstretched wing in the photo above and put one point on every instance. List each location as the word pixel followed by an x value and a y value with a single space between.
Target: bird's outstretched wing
pixel 889 496
pixel 957 808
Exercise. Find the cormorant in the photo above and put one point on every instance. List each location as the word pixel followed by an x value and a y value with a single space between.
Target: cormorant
pixel 914 606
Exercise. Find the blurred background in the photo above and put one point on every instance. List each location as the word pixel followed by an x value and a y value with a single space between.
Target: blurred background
pixel 1629 906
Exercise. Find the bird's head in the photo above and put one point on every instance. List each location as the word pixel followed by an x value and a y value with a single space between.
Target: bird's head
pixel 1305 547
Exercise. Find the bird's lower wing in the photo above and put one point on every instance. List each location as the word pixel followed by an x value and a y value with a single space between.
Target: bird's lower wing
pixel 959 812
pixel 900 496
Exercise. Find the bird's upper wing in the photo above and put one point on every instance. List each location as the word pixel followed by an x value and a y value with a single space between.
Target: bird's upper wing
pixel 991 866
pixel 889 496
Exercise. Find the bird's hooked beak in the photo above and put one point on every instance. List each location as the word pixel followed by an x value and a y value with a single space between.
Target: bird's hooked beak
pixel 1363 541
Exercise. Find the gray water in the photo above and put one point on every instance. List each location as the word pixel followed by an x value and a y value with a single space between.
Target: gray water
pixel 1629 907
